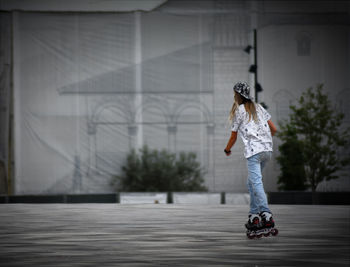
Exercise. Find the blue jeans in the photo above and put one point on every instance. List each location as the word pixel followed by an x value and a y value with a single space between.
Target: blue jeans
pixel 258 200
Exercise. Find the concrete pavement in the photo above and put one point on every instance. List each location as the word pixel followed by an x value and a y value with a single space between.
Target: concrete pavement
pixel 169 235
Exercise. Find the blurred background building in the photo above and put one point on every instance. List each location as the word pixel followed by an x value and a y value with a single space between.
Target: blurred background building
pixel 83 83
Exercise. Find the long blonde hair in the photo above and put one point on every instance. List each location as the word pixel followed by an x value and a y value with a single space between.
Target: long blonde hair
pixel 248 105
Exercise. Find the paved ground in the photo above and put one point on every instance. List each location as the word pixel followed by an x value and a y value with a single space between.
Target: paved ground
pixel 169 235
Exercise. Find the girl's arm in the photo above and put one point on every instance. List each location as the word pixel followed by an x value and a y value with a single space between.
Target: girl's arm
pixel 272 127
pixel 230 143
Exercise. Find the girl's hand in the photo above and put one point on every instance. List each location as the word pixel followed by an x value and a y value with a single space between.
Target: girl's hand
pixel 273 128
pixel 230 143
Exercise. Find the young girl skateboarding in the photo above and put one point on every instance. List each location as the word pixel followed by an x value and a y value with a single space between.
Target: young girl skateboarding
pixel 253 124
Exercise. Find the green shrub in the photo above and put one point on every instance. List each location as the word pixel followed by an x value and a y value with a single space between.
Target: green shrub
pixel 160 171
pixel 291 161
pixel 312 139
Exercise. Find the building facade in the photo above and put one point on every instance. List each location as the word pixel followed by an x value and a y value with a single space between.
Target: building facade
pixel 89 87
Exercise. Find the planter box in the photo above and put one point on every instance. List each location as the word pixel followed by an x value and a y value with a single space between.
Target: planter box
pixel 143 198
pixel 288 198
pixel 92 198
pixel 196 198
pixel 305 198
pixel 36 199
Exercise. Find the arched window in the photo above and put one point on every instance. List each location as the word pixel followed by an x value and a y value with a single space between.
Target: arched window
pixel 192 133
pixel 303 40
pixel 154 127
pixel 111 139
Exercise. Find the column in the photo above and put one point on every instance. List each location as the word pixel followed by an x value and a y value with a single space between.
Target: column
pixel 133 137
pixel 138 83
pixel 172 129
pixel 92 161
pixel 210 156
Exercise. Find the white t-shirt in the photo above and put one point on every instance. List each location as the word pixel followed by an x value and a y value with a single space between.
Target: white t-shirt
pixel 256 136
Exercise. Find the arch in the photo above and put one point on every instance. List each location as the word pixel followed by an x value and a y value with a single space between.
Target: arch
pixel 199 106
pixel 192 133
pixel 111 140
pixel 98 112
pixel 149 106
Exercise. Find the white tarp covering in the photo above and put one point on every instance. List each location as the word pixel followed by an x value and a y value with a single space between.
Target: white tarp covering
pixel 81 5
pixel 90 87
